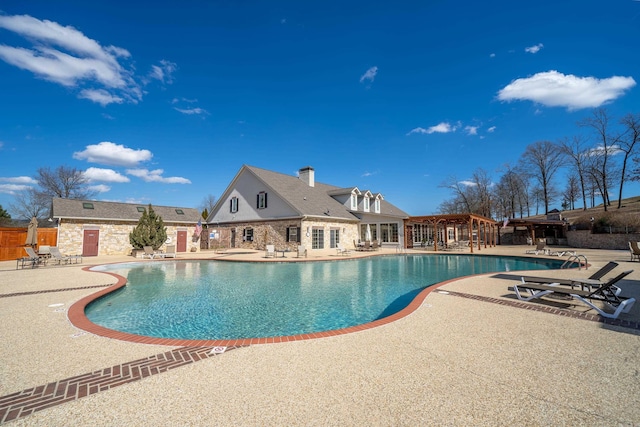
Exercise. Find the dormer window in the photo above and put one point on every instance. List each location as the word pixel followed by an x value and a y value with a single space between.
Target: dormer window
pixel 354 202
pixel 366 204
pixel 376 206
pixel 233 205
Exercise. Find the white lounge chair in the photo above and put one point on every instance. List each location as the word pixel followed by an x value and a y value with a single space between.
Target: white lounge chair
pixel 540 248
pixel 342 250
pixel 302 252
pixel 170 252
pixel 270 252
pixel 148 252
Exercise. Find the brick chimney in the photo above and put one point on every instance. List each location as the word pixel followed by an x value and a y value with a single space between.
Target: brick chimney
pixel 307 175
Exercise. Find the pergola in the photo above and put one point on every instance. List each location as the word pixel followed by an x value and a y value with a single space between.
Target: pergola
pixel 487 228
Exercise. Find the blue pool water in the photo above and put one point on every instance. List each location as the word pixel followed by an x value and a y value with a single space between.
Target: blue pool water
pixel 229 300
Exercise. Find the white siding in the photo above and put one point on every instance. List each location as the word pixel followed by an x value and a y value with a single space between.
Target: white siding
pixel 246 189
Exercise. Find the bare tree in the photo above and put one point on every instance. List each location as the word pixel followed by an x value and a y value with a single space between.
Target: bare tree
pixel 64 182
pixel 208 203
pixel 627 142
pixel 577 156
pixel 30 203
pixel 544 158
pixel 462 196
pixel 599 122
pixel 635 172
pixel 482 188
pixel 572 191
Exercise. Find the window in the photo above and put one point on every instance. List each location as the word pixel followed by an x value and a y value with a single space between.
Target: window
pixel 354 202
pixel 233 205
pixel 389 232
pixel 262 200
pixel 373 232
pixel 366 204
pixel 317 238
pixel 334 238
pixel 87 205
pixel 451 234
pixel 247 235
pixel 141 209
pixel 293 234
pixel 376 206
pixel 179 211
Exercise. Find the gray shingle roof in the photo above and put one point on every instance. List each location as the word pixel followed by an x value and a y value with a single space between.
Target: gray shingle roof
pixel 317 200
pixel 73 209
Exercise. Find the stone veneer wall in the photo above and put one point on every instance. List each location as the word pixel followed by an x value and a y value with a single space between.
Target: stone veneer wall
pixel 584 239
pixel 114 236
pixel 275 233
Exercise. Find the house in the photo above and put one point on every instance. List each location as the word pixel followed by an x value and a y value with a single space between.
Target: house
pixel 91 228
pixel 261 207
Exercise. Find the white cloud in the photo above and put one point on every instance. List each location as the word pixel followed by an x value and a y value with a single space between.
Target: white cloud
pixel 104 175
pixel 100 188
pixel 20 180
pixel 156 176
pixel 534 49
pixel 468 183
pixel 108 153
pixel 192 111
pixel 12 188
pixel 370 75
pixel 492 55
pixel 66 56
pixel 439 128
pixel 100 96
pixel 471 130
pixel 367 174
pixel 612 150
pixel 491 129
pixel 554 89
pixel 164 71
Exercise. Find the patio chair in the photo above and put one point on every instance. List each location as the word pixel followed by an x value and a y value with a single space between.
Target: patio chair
pixel 302 252
pixel 170 251
pixel 605 294
pixel 375 245
pixel 148 252
pixel 342 250
pixel 32 259
pixel 367 246
pixel 635 250
pixel 540 247
pixel 270 252
pixel 592 281
pixel 57 256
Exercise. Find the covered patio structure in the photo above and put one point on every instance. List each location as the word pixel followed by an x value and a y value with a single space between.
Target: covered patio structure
pixel 450 230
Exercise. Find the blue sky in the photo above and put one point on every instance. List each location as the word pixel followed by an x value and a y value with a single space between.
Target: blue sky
pixel 164 104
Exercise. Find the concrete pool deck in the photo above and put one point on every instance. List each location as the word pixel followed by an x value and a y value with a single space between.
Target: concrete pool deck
pixel 470 356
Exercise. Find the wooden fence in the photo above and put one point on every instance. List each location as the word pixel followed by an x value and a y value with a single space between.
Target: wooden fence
pixel 12 241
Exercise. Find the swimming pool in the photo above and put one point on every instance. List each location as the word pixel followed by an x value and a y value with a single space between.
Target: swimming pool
pixel 221 300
